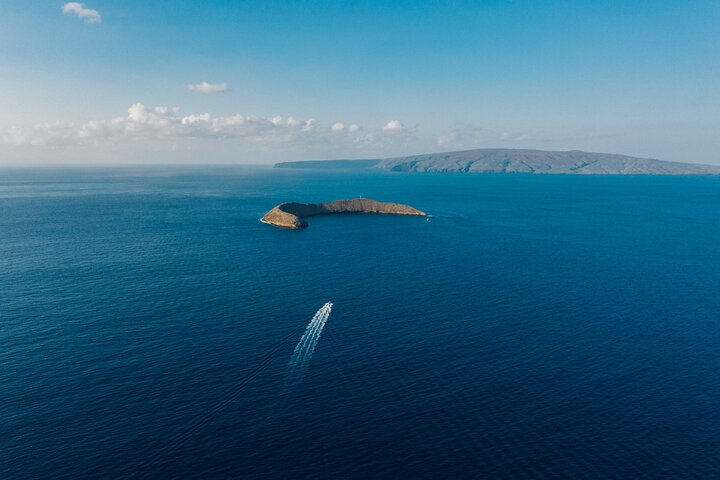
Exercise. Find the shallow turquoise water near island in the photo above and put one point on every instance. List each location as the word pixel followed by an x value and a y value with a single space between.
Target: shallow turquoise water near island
pixel 535 327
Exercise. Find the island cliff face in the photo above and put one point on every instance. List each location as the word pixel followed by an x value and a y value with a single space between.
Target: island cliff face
pixel 290 214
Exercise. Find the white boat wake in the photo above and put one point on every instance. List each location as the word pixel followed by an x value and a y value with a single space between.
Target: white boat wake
pixel 296 370
pixel 298 364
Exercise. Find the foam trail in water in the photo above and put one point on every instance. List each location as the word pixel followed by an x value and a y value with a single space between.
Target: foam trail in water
pixel 309 333
pixel 307 337
pixel 306 346
pixel 303 350
pixel 297 364
pixel 312 343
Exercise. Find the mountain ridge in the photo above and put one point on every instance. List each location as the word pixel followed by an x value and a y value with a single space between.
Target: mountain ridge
pixel 502 160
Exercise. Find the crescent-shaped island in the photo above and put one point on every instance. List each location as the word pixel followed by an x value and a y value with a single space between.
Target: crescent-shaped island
pixel 291 214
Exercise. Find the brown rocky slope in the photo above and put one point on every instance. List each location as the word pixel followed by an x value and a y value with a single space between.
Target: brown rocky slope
pixel 291 214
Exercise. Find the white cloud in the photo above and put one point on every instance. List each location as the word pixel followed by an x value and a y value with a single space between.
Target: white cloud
pixel 340 127
pixel 156 129
pixel 394 126
pixel 205 87
pixel 205 117
pixel 78 9
pixel 309 125
pixel 162 122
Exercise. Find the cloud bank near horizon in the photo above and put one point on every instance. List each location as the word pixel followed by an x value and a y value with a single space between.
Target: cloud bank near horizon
pixel 167 123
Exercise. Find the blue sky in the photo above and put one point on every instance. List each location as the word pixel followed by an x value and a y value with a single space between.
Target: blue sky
pixel 337 79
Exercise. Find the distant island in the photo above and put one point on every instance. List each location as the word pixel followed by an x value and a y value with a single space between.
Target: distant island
pixel 499 160
pixel 291 214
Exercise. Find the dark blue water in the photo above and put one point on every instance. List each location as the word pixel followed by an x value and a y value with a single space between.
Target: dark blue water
pixel 535 327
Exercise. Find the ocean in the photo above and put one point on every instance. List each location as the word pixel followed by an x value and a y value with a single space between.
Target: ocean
pixel 535 327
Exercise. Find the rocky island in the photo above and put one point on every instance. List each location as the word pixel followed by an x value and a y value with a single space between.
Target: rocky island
pixel 291 214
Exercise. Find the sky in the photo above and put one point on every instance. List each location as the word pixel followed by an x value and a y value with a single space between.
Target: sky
pixel 216 82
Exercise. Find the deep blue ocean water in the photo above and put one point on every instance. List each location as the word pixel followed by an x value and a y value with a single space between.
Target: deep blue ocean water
pixel 535 327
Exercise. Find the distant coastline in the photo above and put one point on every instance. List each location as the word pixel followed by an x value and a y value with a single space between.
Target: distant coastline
pixel 290 214
pixel 500 160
